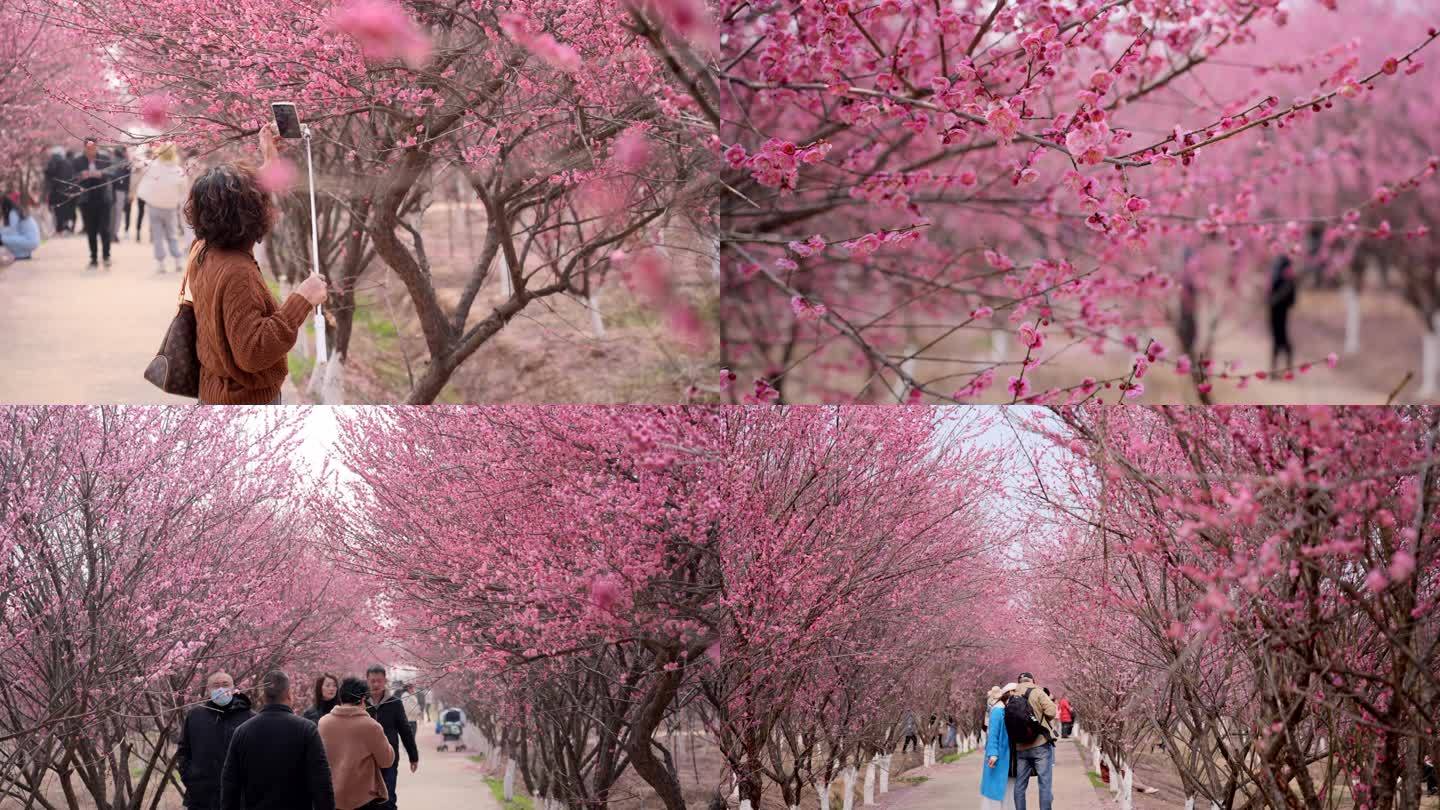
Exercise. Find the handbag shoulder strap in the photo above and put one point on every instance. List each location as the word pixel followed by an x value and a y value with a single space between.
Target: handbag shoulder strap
pixel 185 274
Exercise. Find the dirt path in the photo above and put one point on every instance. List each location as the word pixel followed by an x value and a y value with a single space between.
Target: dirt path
pixel 956 786
pixel 70 335
pixel 445 781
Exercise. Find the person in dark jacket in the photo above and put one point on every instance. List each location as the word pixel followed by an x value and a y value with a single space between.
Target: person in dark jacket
pixel 120 190
pixel 59 191
pixel 92 175
pixel 389 712
pixel 1284 292
pixel 277 760
pixel 327 695
pixel 205 739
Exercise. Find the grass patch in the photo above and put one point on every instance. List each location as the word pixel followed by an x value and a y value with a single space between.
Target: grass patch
pixel 376 324
pixel 300 367
pixel 477 758
pixel 520 802
pixel 628 316
pixel 954 757
pixel 913 780
pixel 1095 779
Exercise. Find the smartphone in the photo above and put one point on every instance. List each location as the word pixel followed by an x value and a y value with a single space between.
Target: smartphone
pixel 286 119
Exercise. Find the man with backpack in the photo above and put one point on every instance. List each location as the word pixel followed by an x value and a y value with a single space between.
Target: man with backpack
pixel 1028 716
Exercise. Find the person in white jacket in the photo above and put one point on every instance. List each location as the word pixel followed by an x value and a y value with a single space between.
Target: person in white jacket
pixel 163 186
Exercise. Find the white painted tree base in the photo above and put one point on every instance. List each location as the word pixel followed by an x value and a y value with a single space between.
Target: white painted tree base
pixel 847 784
pixel 597 322
pixel 1352 319
pixel 509 781
pixel 822 792
pixel 1430 360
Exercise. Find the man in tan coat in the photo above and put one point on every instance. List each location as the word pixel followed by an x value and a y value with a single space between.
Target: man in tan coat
pixel 1036 755
pixel 357 749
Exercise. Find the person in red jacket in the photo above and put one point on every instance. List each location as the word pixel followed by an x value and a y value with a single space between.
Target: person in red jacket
pixel 1067 718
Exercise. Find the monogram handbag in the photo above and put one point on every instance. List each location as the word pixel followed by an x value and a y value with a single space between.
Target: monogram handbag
pixel 176 367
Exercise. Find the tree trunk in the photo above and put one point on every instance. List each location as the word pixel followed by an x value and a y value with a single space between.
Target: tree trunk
pixel 597 322
pixel 999 344
pixel 430 384
pixel 509 780
pixel 822 792
pixel 641 745
pixel 867 792
pixel 507 284
pixel 327 382
pixel 1352 318
pixel 885 774
pixel 901 388
pixel 1430 357
pixel 847 784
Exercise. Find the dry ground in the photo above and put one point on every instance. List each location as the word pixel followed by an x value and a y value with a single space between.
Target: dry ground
pixel 551 351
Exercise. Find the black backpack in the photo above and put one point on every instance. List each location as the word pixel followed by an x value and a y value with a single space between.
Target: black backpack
pixel 1020 722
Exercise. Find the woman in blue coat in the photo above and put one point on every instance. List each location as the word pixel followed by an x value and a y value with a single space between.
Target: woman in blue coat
pixel 19 232
pixel 997 787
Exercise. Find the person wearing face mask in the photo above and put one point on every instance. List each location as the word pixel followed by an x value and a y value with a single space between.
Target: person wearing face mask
pixel 205 740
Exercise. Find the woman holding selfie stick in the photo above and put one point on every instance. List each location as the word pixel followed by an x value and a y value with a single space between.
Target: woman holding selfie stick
pixel 242 334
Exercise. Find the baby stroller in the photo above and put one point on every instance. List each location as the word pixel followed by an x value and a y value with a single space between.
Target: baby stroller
pixel 451 728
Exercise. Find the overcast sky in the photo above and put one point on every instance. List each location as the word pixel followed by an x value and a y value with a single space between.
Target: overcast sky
pixel 321 432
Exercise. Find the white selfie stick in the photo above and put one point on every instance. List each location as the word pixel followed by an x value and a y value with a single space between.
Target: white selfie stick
pixel 321 355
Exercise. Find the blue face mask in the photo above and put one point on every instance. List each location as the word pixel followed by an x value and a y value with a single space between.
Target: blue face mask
pixel 220 696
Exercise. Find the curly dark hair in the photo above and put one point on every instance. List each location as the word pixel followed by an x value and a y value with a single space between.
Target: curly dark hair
pixel 228 209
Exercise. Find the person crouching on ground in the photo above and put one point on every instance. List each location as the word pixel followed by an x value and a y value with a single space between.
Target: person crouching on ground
pixel 242 334
pixel 357 749
pixel 19 232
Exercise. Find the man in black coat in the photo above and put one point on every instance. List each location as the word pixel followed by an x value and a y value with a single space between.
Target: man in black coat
pixel 97 197
pixel 59 192
pixel 120 185
pixel 389 712
pixel 276 760
pixel 205 739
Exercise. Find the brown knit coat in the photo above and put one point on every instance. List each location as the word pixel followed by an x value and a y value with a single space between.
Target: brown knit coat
pixel 242 336
pixel 356 748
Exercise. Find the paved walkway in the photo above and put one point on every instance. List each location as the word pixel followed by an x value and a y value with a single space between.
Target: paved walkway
pixel 956 786
pixel 445 781
pixel 69 335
